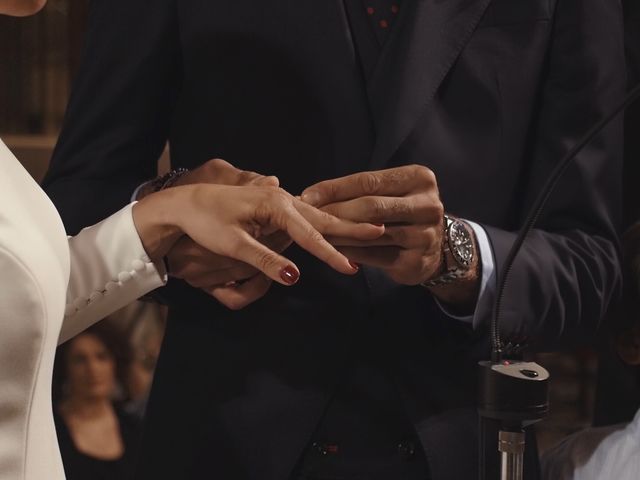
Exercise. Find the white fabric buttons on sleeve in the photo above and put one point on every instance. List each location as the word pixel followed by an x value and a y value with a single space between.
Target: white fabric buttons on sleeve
pixel 109 269
pixel 79 303
pixel 95 296
pixel 138 265
pixel 124 277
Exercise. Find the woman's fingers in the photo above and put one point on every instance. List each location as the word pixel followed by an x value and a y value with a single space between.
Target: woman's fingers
pixel 272 264
pixel 328 224
pixel 274 208
pixel 279 212
pixel 200 273
pixel 307 237
pixel 244 213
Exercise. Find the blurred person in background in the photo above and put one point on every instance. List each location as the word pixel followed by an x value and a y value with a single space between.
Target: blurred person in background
pixel 52 286
pixel 613 451
pixel 145 337
pixel 617 391
pixel 97 438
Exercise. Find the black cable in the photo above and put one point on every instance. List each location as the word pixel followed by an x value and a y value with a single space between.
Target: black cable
pixel 536 210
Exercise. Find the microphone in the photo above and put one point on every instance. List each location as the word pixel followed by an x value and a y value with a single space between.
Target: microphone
pixel 515 393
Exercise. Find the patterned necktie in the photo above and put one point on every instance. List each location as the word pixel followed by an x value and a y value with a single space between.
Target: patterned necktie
pixel 381 13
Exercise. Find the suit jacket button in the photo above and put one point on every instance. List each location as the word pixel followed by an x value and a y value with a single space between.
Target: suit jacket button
pixel 325 449
pixel 406 450
pixel 319 448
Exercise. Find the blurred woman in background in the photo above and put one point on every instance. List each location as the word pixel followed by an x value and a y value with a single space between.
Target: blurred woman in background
pixel 96 437
pixel 145 336
pixel 612 451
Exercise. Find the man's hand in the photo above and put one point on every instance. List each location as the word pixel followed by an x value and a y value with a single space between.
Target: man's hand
pixel 221 172
pixel 407 202
pixel 234 284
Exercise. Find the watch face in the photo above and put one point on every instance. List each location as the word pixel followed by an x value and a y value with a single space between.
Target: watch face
pixel 460 244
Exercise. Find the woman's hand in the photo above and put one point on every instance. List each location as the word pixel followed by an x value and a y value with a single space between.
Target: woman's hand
pixel 232 282
pixel 227 221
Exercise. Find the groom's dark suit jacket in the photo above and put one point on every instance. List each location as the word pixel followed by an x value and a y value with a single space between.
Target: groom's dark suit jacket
pixel 487 93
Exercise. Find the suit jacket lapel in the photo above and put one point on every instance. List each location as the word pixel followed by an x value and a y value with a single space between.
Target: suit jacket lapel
pixel 422 48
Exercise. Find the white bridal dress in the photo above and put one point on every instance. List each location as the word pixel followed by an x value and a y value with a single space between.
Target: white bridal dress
pixel 51 288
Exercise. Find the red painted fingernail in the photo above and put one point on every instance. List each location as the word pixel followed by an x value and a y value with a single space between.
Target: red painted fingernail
pixel 354 265
pixel 289 274
pixel 378 224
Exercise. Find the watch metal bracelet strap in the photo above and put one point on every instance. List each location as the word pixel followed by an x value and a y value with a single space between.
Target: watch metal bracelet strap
pixel 445 279
pixel 456 248
pixel 168 179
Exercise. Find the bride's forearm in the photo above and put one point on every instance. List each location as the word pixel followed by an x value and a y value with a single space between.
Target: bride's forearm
pixel 157 220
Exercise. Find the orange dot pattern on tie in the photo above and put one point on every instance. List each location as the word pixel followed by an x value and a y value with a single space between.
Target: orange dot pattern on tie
pixel 381 13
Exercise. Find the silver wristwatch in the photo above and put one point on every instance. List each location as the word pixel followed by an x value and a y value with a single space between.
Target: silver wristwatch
pixel 457 252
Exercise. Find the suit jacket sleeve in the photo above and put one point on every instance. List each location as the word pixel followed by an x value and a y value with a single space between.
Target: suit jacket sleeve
pixel 118 118
pixel 567 273
pixel 109 270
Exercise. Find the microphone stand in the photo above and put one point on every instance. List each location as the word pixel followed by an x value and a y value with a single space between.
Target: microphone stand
pixel 515 393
